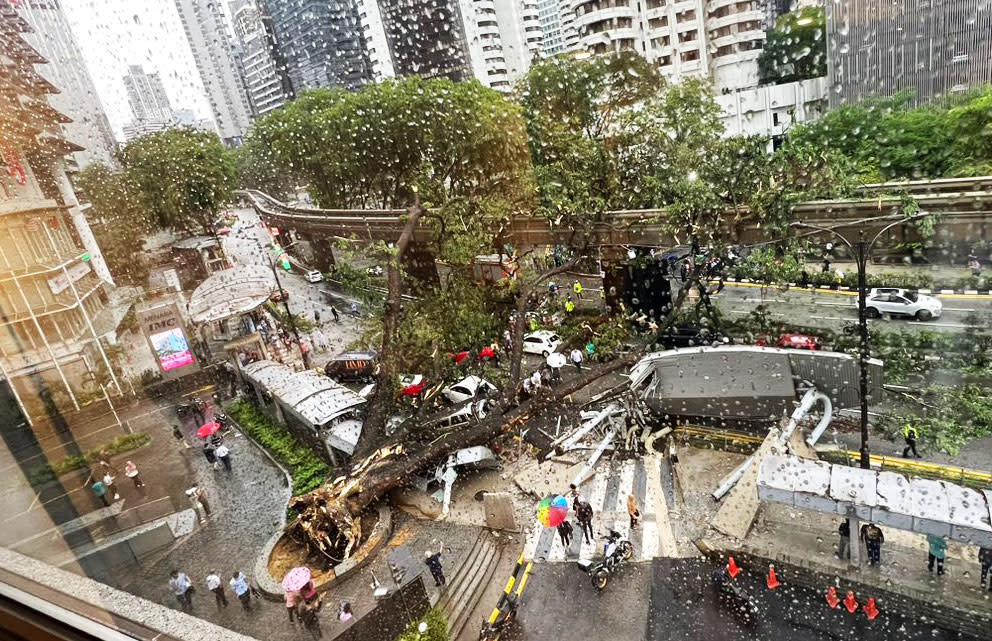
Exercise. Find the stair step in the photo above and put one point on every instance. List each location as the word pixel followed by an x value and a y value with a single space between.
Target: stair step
pixel 458 577
pixel 465 603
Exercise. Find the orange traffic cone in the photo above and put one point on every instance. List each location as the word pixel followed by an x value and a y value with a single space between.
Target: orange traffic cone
pixel 871 610
pixel 732 568
pixel 832 598
pixel 772 580
pixel 850 602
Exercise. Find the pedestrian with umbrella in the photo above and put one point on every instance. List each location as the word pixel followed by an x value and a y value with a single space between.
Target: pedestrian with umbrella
pixel 552 511
pixel 294 581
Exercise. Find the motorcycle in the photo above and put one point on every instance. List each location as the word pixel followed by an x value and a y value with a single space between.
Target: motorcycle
pixel 616 552
pixel 733 596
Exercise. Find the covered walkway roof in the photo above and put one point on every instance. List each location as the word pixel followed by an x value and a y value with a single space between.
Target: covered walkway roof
pixel 314 397
pixel 919 505
pixel 231 292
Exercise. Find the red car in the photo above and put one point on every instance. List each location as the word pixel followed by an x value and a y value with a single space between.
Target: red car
pixel 278 296
pixel 412 386
pixel 798 341
pixel 485 354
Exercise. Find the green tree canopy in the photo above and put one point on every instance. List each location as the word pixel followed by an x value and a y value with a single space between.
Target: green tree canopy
pixel 183 175
pixel 572 107
pixel 118 219
pixel 796 48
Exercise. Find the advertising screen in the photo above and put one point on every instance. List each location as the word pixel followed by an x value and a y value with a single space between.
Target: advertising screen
pixel 172 349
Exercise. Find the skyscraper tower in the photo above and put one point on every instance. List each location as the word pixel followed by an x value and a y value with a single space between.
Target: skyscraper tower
pixel 52 37
pixel 320 42
pixel 146 95
pixel 265 75
pixel 216 60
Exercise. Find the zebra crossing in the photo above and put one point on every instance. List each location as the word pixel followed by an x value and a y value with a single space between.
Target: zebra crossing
pixel 607 492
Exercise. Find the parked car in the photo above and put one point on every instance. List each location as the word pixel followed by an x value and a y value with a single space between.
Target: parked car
pixel 468 388
pixel 902 302
pixel 314 276
pixel 485 354
pixel 541 342
pixel 353 366
pixel 279 296
pixel 459 356
pixel 798 341
pixel 412 385
pixel 680 337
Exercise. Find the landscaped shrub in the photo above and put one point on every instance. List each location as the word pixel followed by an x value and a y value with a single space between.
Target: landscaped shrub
pixel 437 628
pixel 49 471
pixel 306 468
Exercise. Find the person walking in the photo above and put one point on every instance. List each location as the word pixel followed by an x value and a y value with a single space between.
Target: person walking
pixel 316 316
pixel 937 552
pixel 985 558
pixel 576 357
pixel 131 471
pixel 507 339
pixel 335 314
pixel 198 500
pixel 110 481
pixel 344 612
pixel 910 434
pixel 872 535
pixel 975 266
pixel 224 456
pixel 178 435
pixel 433 562
pixel 577 289
pixel 182 588
pixel 569 306
pixel 292 597
pixel 100 490
pixel 215 585
pixel 210 454
pixel 309 616
pixel 844 546
pixel 565 530
pixel 584 514
pixel 632 510
pixel 239 585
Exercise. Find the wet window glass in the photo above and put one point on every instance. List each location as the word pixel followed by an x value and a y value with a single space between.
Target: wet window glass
pixel 410 320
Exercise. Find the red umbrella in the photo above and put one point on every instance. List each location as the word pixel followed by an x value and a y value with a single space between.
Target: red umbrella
pixel 207 429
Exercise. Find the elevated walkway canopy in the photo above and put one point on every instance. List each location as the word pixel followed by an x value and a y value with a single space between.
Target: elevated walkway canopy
pixel 918 505
pixel 231 292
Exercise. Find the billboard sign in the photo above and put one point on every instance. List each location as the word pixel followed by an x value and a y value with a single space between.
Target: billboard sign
pixel 163 327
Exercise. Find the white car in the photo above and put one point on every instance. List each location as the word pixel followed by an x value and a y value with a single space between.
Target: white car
pixel 902 302
pixel 468 388
pixel 314 276
pixel 541 342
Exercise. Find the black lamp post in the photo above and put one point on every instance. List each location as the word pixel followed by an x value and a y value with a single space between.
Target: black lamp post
pixel 861 251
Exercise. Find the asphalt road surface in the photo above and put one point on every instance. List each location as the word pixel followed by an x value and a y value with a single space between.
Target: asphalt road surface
pixel 833 310
pixel 672 600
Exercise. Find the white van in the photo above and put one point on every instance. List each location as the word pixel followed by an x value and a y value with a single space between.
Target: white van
pixel 314 276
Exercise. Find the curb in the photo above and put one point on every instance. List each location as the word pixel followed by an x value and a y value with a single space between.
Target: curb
pixel 747 282
pixel 272 590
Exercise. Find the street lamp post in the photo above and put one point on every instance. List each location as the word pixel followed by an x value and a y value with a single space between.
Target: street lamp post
pixel 289 315
pixel 861 251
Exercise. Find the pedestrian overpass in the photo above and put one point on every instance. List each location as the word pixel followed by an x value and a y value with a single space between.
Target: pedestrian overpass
pixel 923 506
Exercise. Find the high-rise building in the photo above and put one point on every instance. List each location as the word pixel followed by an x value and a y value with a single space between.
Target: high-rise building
pixel 720 39
pixel 320 42
pixel 934 48
pixel 147 96
pixel 550 14
pixel 216 60
pixel 87 124
pixel 264 72
pixel 54 289
pixel 492 41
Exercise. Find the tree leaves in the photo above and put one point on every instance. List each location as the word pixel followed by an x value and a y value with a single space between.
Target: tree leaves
pixel 796 48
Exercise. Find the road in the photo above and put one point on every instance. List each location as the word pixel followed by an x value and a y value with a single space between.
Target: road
pixel 671 600
pixel 832 309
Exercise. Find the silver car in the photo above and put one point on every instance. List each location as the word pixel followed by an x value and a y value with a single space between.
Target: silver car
pixel 902 302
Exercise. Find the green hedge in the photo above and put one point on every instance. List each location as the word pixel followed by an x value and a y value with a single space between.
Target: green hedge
pixel 306 468
pixel 437 628
pixel 50 471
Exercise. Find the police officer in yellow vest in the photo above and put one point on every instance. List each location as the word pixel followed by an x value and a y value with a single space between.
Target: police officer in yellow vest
pixel 910 434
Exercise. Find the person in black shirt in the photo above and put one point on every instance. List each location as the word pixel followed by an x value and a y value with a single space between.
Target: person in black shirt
pixel 433 562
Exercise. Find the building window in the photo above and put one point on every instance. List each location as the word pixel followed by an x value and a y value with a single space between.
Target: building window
pixel 690 56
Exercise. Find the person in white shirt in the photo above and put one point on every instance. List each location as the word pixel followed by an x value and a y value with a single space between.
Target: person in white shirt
pixel 224 456
pixel 215 585
pixel 577 358
pixel 240 587
pixel 183 589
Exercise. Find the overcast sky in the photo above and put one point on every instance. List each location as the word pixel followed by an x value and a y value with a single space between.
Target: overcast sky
pixel 113 34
